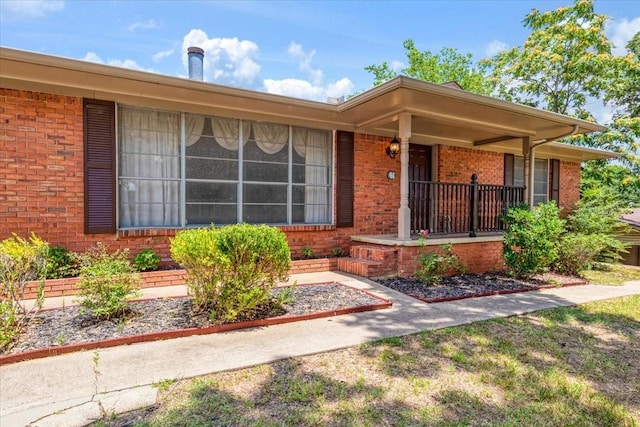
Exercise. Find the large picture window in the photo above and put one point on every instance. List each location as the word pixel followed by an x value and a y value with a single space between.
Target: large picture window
pixel 232 171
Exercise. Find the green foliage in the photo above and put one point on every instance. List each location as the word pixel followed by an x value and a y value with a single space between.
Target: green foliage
pixel 531 240
pixel 338 252
pixel 307 252
pixel 434 264
pixel 107 282
pixel 446 66
pixel 60 263
pixel 231 270
pixel 591 232
pixel 565 62
pixel 565 59
pixel 146 260
pixel 21 261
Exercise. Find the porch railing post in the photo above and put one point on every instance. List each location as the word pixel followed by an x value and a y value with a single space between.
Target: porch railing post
pixel 473 206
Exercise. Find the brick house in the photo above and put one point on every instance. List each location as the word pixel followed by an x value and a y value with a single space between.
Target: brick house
pixel 98 153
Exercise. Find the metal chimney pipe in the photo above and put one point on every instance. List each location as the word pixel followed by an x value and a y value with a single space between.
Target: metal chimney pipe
pixel 196 57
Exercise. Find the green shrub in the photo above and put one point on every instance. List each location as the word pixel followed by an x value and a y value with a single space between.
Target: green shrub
pixel 107 282
pixel 231 270
pixel 591 233
pixel 60 263
pixel 338 252
pixel 146 260
pixel 532 238
pixel 21 261
pixel 307 252
pixel 434 264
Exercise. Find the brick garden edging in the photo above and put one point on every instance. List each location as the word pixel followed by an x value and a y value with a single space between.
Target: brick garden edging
pixel 155 279
pixel 180 333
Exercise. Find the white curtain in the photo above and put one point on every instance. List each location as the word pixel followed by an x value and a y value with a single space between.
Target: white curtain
pixel 226 132
pixel 149 168
pixel 194 127
pixel 270 138
pixel 317 161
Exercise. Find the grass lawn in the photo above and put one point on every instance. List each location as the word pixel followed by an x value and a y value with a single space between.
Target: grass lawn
pixel 577 366
pixel 616 276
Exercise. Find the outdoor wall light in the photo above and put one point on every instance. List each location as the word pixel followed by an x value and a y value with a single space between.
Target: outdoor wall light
pixel 391 175
pixel 393 148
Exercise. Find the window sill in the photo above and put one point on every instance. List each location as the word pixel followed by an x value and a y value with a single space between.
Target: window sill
pixel 170 232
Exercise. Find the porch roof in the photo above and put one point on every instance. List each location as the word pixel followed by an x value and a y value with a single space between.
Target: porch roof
pixel 440 114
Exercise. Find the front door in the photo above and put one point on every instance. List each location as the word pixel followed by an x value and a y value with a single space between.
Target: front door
pixel 419 174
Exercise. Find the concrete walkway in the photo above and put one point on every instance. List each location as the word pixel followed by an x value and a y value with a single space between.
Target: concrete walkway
pixel 74 389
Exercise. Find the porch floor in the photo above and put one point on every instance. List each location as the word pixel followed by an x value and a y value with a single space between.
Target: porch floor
pixel 439 239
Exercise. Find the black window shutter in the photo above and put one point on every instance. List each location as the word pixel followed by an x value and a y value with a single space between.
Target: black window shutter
pixel 99 167
pixel 554 181
pixel 344 187
pixel 508 169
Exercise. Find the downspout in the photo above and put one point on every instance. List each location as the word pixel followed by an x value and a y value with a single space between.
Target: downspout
pixel 529 160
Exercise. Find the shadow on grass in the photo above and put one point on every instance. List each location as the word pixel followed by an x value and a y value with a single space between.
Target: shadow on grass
pixel 564 366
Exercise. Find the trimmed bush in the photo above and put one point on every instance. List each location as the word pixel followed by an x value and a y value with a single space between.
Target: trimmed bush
pixel 21 261
pixel 231 269
pixel 532 238
pixel 146 260
pixel 107 282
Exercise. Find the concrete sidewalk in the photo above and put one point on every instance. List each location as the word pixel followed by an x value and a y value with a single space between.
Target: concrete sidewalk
pixel 73 389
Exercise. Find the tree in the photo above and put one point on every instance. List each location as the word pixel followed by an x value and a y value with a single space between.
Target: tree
pixel 446 66
pixel 566 63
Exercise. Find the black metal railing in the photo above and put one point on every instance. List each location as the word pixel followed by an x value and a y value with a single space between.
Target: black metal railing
pixel 450 208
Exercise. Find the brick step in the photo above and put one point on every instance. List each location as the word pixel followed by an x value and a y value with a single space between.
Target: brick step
pixel 373 253
pixel 360 267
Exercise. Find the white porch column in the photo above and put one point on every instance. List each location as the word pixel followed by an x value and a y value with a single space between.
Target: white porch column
pixel 529 162
pixel 404 213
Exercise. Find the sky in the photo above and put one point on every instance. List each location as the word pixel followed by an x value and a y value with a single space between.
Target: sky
pixel 304 49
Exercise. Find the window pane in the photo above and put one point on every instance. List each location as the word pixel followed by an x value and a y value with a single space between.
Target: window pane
pixel 201 214
pixel 265 214
pixel 147 203
pixel 201 168
pixel 210 192
pixel 258 193
pixel 148 167
pixel 266 172
pixel 265 203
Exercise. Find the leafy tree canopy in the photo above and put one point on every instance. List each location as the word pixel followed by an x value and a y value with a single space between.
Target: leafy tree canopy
pixel 566 65
pixel 446 66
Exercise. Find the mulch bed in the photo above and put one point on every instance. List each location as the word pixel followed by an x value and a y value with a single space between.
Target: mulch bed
pixel 69 326
pixel 474 285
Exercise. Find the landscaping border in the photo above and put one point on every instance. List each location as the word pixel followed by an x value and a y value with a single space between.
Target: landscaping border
pixel 179 333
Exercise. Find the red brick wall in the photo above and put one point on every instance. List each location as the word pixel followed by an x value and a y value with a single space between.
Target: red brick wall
pixel 569 185
pixel 475 257
pixel 457 164
pixel 41 183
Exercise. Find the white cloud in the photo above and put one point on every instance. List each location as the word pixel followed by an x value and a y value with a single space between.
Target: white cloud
pixel 397 66
pixel 296 52
pixel 161 55
pixel 495 47
pixel 30 8
pixel 298 88
pixel 620 32
pixel 149 24
pixel 123 63
pixel 226 60
pixel 314 88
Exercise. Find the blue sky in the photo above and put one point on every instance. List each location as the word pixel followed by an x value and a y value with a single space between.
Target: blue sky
pixel 305 49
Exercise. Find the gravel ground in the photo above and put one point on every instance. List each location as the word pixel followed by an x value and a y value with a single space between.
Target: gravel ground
pixel 69 326
pixel 466 285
